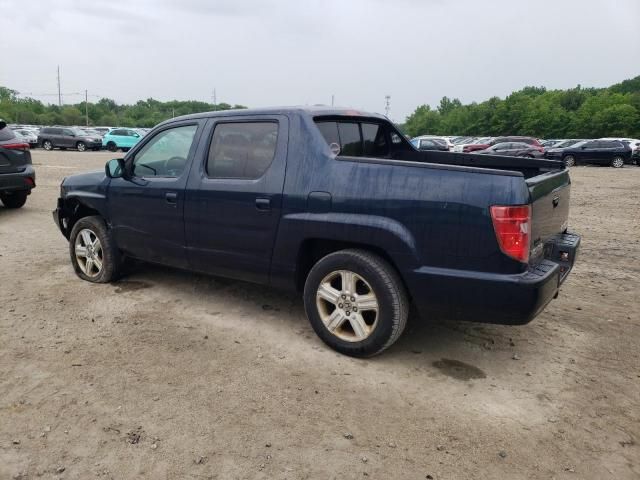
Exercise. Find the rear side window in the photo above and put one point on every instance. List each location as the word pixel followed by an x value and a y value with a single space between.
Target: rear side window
pixel 329 131
pixel 242 150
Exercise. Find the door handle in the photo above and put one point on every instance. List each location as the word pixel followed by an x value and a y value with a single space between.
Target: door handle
pixel 171 198
pixel 263 204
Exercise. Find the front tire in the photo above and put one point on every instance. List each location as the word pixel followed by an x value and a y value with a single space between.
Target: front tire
pixel 81 146
pixel 356 302
pixel 94 254
pixel 570 161
pixel 14 199
pixel 617 162
pixel 47 145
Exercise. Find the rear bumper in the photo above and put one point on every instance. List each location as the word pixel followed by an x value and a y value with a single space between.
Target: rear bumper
pixel 13 182
pixel 496 298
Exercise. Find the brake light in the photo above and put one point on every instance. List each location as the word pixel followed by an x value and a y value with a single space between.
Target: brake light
pixel 513 230
pixel 15 146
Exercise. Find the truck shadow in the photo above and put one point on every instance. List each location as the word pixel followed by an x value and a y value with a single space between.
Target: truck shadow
pixel 449 346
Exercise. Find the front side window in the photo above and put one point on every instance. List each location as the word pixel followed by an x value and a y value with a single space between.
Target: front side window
pixel 165 155
pixel 242 150
pixel 67 131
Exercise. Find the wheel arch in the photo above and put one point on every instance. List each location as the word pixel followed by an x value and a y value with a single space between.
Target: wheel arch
pixel 311 250
pixel 75 208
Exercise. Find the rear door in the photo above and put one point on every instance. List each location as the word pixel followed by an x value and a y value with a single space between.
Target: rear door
pixel 67 139
pixel 234 196
pixel 147 211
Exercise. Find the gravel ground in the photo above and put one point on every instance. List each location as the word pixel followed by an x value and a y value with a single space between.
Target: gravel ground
pixel 168 374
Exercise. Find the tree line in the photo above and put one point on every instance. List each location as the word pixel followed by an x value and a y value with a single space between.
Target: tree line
pixel 535 111
pixel 144 113
pixel 574 113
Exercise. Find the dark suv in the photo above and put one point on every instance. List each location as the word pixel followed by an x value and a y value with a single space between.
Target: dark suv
pixel 603 152
pixel 17 176
pixel 63 138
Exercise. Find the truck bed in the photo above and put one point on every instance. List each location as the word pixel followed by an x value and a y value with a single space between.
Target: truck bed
pixel 529 167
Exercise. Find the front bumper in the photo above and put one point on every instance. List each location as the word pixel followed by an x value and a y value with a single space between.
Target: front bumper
pixel 513 299
pixel 16 181
pixel 60 217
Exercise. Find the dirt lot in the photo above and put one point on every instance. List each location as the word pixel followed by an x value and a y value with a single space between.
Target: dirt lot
pixel 173 375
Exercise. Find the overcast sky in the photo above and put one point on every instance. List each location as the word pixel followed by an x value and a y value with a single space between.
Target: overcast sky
pixel 287 52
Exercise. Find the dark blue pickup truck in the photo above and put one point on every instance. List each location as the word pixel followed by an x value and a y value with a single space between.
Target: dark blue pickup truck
pixel 336 204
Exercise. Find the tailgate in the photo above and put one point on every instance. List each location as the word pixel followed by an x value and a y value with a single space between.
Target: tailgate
pixel 550 193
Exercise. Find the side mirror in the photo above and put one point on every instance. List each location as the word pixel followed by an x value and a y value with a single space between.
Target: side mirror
pixel 114 168
pixel 136 135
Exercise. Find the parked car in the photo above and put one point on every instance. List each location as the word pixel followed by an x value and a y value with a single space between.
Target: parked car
pixel 512 149
pixel 63 138
pixel 430 143
pixel 460 146
pixel 28 136
pixel 336 204
pixel 481 146
pixel 120 138
pixel 602 152
pixel 17 176
pixel 103 130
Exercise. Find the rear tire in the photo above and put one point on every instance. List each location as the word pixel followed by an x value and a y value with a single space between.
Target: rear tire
pixel 47 145
pixel 356 302
pixel 112 147
pixel 570 161
pixel 14 199
pixel 81 146
pixel 617 161
pixel 94 254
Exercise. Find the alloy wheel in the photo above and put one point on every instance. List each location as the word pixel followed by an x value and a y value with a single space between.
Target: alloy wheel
pixel 347 305
pixel 89 254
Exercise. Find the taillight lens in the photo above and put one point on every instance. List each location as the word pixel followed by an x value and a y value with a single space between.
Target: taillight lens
pixel 513 230
pixel 15 146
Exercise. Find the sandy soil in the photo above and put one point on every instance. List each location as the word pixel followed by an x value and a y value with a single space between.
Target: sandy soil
pixel 173 375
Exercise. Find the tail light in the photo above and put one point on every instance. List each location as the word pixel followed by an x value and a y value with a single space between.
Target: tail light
pixel 513 230
pixel 15 146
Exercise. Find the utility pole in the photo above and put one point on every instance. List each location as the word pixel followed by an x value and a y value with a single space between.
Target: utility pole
pixel 215 100
pixel 59 93
pixel 387 105
pixel 86 107
pixel 332 99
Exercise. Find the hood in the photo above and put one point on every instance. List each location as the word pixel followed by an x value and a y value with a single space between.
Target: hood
pixel 90 181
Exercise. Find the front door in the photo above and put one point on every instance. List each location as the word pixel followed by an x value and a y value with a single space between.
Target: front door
pixel 147 210
pixel 234 196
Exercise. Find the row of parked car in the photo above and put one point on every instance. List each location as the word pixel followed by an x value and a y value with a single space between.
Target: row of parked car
pixel 615 152
pixel 79 138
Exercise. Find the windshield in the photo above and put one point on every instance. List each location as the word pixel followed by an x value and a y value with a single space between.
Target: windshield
pixel 576 143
